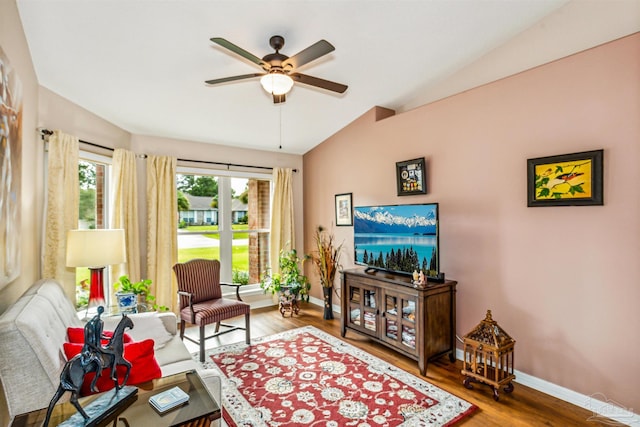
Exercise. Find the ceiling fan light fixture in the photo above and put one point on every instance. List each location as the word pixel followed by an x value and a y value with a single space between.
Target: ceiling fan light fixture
pixel 276 83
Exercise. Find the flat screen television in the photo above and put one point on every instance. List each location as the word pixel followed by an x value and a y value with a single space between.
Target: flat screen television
pixel 398 238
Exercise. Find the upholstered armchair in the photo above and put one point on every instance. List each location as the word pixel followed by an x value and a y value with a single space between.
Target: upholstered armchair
pixel 201 301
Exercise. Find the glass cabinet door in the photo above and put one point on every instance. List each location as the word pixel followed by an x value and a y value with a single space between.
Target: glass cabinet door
pixel 399 320
pixel 391 317
pixel 363 310
pixel 409 323
pixel 370 310
pixel 355 312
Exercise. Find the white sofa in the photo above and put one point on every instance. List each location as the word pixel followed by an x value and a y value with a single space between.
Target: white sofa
pixel 32 333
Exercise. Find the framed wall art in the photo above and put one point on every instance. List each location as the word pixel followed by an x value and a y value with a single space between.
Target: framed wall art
pixel 565 180
pixel 410 177
pixel 11 170
pixel 344 209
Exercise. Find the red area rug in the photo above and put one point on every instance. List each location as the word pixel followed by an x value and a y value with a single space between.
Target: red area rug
pixel 308 377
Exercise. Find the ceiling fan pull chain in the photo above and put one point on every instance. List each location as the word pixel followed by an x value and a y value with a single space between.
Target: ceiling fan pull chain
pixel 280 111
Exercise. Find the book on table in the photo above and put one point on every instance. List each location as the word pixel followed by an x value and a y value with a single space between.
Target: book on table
pixel 169 399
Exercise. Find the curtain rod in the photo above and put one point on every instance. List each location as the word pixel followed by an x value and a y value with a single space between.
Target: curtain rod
pixel 48 132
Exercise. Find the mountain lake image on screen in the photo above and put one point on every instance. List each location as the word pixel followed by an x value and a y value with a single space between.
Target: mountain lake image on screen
pixel 397 238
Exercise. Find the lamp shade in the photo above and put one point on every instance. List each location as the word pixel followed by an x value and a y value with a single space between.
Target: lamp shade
pixel 276 83
pixel 95 248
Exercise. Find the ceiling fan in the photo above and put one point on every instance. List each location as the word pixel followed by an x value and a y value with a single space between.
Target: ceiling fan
pixel 280 69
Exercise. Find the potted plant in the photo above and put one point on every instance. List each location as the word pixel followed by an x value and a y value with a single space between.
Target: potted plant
pixel 290 284
pixel 129 294
pixel 326 259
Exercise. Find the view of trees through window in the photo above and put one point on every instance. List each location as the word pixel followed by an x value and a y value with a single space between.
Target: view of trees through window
pixel 215 222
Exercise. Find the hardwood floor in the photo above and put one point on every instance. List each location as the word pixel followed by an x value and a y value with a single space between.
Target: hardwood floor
pixel 524 407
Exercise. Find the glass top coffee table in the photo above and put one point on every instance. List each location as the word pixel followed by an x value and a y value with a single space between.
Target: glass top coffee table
pixel 200 411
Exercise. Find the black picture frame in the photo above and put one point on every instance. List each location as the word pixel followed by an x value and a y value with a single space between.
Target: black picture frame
pixel 566 180
pixel 344 209
pixel 410 177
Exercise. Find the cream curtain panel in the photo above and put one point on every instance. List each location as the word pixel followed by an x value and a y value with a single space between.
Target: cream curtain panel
pixel 162 228
pixel 282 226
pixel 61 210
pixel 125 211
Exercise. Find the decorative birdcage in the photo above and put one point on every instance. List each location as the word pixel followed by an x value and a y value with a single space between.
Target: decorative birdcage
pixel 488 356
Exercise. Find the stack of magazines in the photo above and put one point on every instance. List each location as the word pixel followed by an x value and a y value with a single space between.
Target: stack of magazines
pixel 169 399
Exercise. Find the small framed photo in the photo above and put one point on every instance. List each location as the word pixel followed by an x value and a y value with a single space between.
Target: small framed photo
pixel 565 180
pixel 410 177
pixel 344 209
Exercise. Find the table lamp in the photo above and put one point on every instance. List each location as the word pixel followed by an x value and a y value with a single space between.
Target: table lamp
pixel 95 249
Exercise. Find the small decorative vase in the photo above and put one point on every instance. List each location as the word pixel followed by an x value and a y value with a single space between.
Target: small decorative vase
pixel 127 302
pixel 328 305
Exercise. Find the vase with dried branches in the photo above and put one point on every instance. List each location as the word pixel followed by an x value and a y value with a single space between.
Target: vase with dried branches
pixel 326 259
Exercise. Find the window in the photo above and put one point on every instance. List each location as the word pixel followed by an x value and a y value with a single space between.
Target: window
pixel 93 176
pixel 225 217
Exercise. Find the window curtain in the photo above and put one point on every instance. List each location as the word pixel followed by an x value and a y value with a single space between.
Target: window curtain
pixel 162 228
pixel 282 226
pixel 125 211
pixel 61 210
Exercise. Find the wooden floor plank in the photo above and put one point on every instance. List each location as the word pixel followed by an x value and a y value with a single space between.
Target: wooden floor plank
pixel 523 407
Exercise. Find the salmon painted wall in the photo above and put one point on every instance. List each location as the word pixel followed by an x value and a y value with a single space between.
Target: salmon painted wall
pixel 563 281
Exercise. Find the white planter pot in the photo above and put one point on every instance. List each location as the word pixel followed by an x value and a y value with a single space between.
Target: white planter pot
pixel 127 302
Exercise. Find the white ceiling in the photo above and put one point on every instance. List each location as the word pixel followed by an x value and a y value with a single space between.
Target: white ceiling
pixel 141 65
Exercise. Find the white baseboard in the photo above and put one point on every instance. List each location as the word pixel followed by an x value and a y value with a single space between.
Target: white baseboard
pixel 604 410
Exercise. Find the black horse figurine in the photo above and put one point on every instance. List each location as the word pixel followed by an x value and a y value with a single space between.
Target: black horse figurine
pixel 112 353
pixel 79 366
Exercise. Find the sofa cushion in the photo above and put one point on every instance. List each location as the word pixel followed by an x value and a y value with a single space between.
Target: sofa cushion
pixel 140 354
pixel 149 325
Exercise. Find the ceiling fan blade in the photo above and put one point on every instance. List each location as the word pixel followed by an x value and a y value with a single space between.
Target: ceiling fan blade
pixel 240 51
pixel 233 78
pixel 278 99
pixel 307 55
pixel 321 83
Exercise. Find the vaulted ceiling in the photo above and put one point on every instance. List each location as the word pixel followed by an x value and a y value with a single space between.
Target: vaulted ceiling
pixel 142 64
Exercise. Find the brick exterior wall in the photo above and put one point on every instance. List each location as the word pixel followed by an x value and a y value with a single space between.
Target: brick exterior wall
pixel 259 218
pixel 100 196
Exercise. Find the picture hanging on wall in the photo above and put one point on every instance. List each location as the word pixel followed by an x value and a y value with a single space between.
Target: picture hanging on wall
pixel 565 180
pixel 10 170
pixel 344 209
pixel 410 177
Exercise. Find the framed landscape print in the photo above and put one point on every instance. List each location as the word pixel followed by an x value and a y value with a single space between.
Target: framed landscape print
pixel 565 180
pixel 344 209
pixel 410 177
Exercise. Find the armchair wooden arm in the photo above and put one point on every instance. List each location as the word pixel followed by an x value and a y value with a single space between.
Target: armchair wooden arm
pixel 234 285
pixel 189 296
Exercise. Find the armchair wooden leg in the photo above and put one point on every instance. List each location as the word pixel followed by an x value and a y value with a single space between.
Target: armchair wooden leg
pixel 247 331
pixel 202 343
pixel 182 322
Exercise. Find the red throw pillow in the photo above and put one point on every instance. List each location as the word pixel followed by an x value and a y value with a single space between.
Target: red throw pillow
pixel 144 366
pixel 76 335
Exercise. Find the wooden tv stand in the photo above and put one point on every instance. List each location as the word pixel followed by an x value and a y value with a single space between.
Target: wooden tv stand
pixel 418 323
